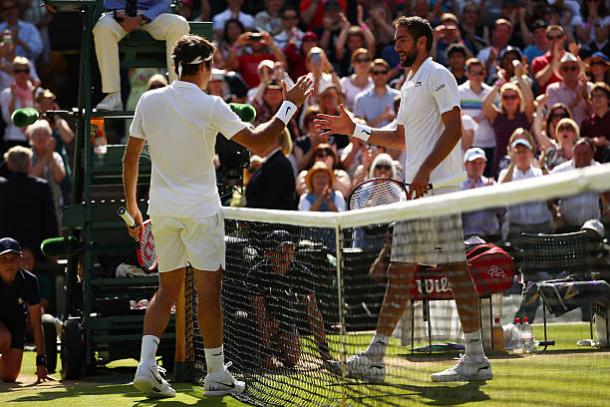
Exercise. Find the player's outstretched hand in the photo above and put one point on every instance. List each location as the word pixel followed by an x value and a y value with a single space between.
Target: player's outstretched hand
pixel 43 375
pixel 299 91
pixel 330 124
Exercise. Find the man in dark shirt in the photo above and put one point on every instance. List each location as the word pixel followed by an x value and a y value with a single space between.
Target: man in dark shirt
pixel 18 288
pixel 278 286
pixel 597 125
pixel 27 212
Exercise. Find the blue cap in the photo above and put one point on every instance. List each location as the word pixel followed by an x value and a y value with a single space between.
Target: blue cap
pixel 9 245
pixel 522 142
pixel 278 238
pixel 601 55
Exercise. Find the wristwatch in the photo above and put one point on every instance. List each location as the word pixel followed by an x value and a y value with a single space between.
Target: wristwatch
pixel 41 360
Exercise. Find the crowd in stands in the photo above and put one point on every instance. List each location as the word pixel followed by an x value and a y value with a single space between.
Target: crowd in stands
pixel 533 79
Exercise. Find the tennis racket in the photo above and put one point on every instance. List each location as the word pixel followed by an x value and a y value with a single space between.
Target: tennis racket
pixel 384 191
pixel 147 257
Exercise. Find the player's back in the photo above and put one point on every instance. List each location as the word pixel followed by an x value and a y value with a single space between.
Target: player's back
pixel 177 122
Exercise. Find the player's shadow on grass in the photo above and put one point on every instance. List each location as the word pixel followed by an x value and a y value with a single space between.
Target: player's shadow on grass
pixel 437 395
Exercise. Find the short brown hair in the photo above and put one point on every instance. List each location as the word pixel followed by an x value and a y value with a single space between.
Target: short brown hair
pixel 188 48
pixel 603 86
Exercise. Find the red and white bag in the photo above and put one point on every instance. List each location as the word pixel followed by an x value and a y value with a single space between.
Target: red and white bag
pixel 491 268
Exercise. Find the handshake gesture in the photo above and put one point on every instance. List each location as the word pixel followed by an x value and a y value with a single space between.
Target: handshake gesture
pixel 299 91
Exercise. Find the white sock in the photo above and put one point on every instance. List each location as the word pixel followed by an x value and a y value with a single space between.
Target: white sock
pixel 215 359
pixel 377 347
pixel 149 350
pixel 474 345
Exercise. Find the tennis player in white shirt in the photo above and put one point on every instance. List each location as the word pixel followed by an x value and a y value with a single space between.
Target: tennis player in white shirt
pixel 180 123
pixel 429 124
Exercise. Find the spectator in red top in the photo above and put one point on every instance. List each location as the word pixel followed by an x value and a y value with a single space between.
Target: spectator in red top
pixel 597 125
pixel 297 55
pixel 545 67
pixel 312 11
pixel 245 60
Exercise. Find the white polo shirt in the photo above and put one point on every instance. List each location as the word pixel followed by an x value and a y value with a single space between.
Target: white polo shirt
pixel 424 96
pixel 180 123
pixel 472 105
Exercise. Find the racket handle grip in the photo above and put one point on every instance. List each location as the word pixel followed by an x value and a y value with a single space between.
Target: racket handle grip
pixel 129 220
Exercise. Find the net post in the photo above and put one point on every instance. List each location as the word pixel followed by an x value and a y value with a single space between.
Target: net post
pixel 341 303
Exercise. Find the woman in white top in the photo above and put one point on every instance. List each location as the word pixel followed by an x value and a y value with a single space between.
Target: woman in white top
pixel 360 80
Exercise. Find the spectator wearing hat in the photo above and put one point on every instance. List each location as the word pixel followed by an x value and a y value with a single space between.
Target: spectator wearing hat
pixel 531 217
pixel 289 31
pixel 248 51
pixel 574 211
pixel 484 223
pixel 592 25
pixel 296 54
pixel 27 211
pixel 282 288
pixel 19 292
pixel 598 68
pixel 456 56
pixel 472 93
pixel 597 125
pixel 268 70
pixel 152 16
pixel 540 44
pixel 320 195
pixel 8 53
pixel 326 154
pixel 376 104
pixel 269 19
pixel 233 11
pixel 545 68
pixel 360 80
pixel 573 89
pixel 561 149
pixel 500 36
pixel 272 186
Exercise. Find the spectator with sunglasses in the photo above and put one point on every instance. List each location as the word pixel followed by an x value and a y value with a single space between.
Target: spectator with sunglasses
pixel 566 134
pixel 599 68
pixel 20 94
pixel 269 19
pixel 376 104
pixel 360 80
pixel 472 93
pixel 597 125
pixel 290 31
pixel 8 52
pixel 544 67
pixel 545 124
pixel 573 89
pixel 516 111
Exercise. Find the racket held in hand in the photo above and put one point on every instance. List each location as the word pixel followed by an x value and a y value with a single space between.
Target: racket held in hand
pixel 384 191
pixel 147 257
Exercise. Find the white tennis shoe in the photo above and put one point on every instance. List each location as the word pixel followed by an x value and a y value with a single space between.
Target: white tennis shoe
pixel 467 369
pixel 111 103
pixel 149 381
pixel 222 383
pixel 359 366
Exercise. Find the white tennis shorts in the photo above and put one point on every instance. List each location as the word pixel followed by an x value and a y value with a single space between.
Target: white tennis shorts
pixel 180 241
pixel 430 241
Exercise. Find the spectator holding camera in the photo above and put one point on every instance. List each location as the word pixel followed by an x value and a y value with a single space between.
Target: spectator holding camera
pixel 26 36
pixel 8 53
pixel 248 51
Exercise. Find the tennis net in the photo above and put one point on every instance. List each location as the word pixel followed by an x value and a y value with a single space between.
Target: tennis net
pixel 301 295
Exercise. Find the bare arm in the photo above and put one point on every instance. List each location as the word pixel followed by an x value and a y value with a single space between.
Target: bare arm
pixel 258 140
pixel 343 124
pixel 489 110
pixel 340 43
pixel 316 324
pixel 528 97
pixel 65 132
pixel 131 161
pixel 36 321
pixel 264 323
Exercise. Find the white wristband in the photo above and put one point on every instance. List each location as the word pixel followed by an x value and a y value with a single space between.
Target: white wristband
pixel 362 132
pixel 286 111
